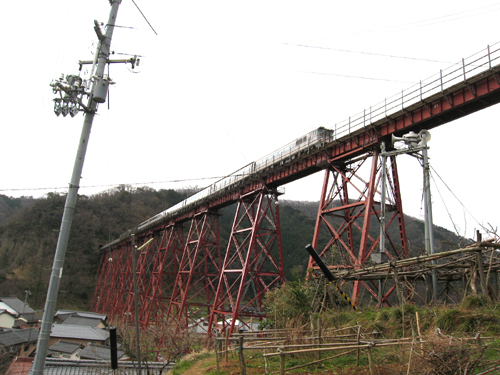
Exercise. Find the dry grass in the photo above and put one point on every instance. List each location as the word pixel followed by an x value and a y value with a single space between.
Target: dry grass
pixel 444 355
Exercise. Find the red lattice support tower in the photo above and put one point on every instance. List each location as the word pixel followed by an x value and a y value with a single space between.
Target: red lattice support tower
pixel 196 281
pixel 253 262
pixel 114 285
pixel 349 206
pixel 158 275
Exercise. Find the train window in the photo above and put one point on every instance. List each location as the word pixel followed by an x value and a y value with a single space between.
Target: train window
pixel 300 140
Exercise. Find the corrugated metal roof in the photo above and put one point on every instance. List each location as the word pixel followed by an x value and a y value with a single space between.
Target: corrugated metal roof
pixel 79 332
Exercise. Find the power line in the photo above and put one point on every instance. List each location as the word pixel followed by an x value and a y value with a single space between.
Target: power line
pixel 113 185
pixel 140 11
pixel 367 53
pixel 360 77
pixel 425 22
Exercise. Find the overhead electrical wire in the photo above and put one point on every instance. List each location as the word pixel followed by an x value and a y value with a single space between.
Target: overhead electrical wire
pixel 368 53
pixel 422 23
pixel 114 185
pixel 445 206
pixel 360 77
pixel 140 11
pixel 459 201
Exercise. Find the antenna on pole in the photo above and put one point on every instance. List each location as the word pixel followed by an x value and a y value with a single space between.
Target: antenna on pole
pixel 71 90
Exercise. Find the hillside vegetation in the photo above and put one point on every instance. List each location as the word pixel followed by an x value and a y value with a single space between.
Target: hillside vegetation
pixel 453 340
pixel 29 229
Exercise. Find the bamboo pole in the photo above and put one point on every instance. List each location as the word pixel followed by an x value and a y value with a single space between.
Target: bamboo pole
pixel 330 345
pixel 336 348
pixel 321 360
pixel 357 339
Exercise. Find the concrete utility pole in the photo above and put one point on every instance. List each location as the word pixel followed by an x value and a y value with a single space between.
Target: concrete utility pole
pixel 416 143
pixel 429 232
pixel 71 103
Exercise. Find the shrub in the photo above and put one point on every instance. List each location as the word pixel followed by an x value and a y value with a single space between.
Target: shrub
pixel 448 320
pixel 471 302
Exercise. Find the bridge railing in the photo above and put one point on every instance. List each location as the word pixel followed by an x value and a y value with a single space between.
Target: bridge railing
pixel 473 65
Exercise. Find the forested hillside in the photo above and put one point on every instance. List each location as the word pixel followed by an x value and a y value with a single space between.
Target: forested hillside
pixel 29 229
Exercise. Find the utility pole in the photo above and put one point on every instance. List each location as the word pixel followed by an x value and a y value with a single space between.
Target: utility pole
pixel 71 102
pixel 429 232
pixel 416 143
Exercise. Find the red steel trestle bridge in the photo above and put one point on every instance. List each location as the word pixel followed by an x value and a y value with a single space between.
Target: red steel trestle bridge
pixel 184 276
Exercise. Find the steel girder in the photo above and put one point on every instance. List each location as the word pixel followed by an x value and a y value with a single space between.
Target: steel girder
pixel 196 280
pixel 348 207
pixel 253 262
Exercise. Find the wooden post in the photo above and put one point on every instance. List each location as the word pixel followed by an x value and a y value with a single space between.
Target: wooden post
pixel 400 299
pixel 396 283
pixel 282 363
pixel 491 290
pixel 370 360
pixel 318 340
pixel 417 316
pixel 409 359
pixel 217 351
pixel 226 346
pixel 495 285
pixel 357 339
pixel 311 319
pixel 480 269
pixel 413 331
pixel 243 369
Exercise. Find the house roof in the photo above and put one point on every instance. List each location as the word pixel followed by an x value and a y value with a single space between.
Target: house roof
pixel 26 312
pixel 55 366
pixel 20 366
pixel 82 321
pixel 18 336
pixel 72 331
pixel 65 347
pixel 101 352
pixel 84 314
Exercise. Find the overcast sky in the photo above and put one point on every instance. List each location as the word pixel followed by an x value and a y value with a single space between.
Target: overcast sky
pixel 227 82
